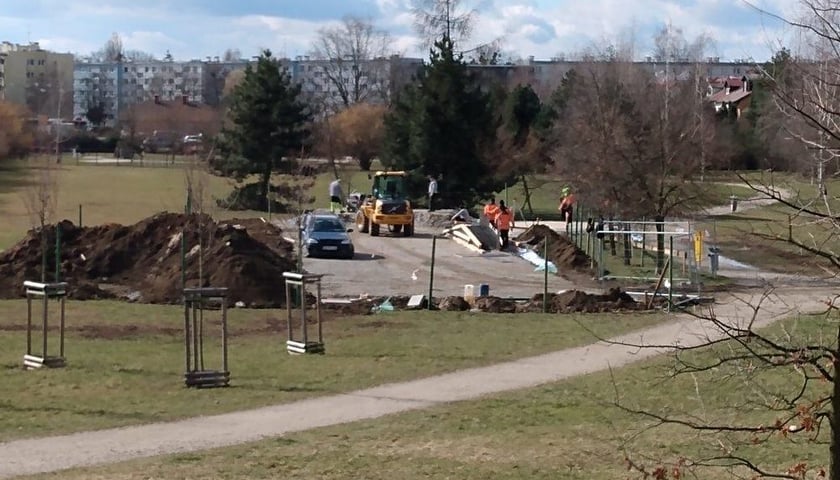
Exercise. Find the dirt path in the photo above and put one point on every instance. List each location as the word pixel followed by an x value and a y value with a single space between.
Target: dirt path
pixel 108 446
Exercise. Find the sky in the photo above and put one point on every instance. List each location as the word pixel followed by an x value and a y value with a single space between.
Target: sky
pixel 196 29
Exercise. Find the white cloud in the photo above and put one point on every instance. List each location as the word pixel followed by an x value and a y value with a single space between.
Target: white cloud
pixel 528 27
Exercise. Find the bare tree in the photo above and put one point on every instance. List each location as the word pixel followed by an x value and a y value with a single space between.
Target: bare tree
pixel 630 143
pixel 451 19
pixel 436 19
pixel 358 132
pixel 355 60
pixel 778 384
pixel 232 55
pixel 791 374
pixel 670 45
pixel 113 50
pixel 41 201
pixel 15 137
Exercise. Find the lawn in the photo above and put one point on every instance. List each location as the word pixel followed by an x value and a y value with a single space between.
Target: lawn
pixel 106 194
pixel 568 430
pixel 738 233
pixel 125 361
pixel 546 196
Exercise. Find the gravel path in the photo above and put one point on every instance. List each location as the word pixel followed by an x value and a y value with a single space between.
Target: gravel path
pixel 49 454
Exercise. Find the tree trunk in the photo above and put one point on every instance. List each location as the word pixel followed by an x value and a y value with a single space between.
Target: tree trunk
pixel 364 163
pixel 44 247
pixel 527 195
pixel 834 449
pixel 660 242
pixel 265 185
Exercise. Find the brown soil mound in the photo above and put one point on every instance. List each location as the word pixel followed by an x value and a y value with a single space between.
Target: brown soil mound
pixel 453 304
pixel 145 259
pixel 561 251
pixel 495 305
pixel 573 301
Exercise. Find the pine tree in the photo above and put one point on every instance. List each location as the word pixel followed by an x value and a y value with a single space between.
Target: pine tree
pixel 444 126
pixel 268 124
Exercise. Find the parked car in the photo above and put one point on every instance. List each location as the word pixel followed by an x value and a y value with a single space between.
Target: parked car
pixel 325 235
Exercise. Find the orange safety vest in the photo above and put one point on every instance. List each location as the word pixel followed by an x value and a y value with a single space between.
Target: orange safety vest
pixel 491 210
pixel 504 219
pixel 568 200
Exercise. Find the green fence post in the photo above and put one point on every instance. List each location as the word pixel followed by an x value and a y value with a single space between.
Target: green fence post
pixel 80 215
pixel 57 255
pixel 644 240
pixel 671 276
pixel 183 259
pixel 432 272
pixel 545 276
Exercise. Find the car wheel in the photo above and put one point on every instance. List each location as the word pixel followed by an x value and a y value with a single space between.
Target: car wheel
pixel 374 229
pixel 398 229
pixel 362 222
pixel 409 230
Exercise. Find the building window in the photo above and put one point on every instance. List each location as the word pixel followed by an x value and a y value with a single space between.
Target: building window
pixel 30 62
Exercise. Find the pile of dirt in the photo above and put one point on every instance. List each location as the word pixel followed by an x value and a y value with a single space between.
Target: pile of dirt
pixel 453 304
pixel 495 305
pixel 576 301
pixel 144 262
pixel 561 251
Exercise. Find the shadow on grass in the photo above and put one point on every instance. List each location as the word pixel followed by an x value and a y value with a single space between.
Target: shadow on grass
pixel 137 416
pixel 742 218
pixel 13 176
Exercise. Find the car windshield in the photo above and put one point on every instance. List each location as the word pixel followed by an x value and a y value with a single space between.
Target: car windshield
pixel 327 225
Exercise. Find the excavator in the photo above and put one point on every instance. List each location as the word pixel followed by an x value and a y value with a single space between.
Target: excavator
pixel 386 205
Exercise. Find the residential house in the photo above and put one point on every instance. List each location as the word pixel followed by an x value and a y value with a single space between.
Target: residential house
pixel 730 95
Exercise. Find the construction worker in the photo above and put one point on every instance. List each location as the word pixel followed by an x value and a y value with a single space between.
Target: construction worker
pixel 433 190
pixel 567 204
pixel 490 211
pixel 335 196
pixel 504 222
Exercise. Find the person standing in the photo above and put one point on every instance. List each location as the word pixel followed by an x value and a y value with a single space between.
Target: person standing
pixel 433 190
pixel 335 196
pixel 504 222
pixel 490 211
pixel 567 204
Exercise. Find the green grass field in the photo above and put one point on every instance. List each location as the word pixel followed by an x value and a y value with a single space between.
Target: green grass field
pixel 107 194
pixel 738 233
pixel 125 361
pixel 568 430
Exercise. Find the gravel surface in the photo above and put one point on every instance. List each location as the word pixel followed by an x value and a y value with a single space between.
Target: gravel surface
pixel 396 265
pixel 33 456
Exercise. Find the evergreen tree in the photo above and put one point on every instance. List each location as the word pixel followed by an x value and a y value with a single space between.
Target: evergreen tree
pixel 444 126
pixel 267 124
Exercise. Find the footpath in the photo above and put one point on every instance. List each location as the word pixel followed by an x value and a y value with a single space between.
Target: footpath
pixel 31 456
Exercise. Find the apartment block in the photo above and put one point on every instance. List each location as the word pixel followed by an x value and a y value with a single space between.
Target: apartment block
pixel 37 78
pixel 117 85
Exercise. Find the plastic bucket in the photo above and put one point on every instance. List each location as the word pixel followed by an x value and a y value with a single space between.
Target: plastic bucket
pixel 484 290
pixel 469 294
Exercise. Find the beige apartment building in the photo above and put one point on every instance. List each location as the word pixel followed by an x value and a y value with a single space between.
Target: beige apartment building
pixel 40 79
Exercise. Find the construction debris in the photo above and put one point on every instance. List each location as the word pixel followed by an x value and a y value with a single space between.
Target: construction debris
pixel 478 238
